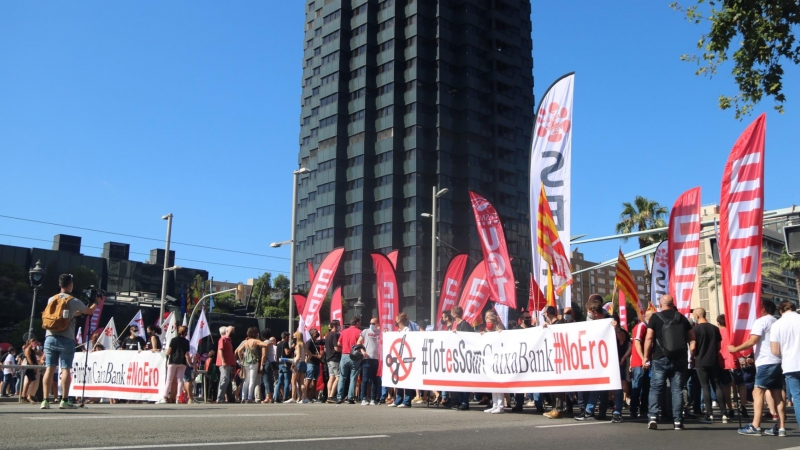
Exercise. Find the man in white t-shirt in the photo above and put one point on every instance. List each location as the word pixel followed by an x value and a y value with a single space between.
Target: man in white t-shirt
pixel 8 373
pixel 785 342
pixel 768 371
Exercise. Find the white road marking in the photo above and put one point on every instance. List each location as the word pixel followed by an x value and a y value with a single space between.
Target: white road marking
pixel 571 424
pixel 214 444
pixel 151 416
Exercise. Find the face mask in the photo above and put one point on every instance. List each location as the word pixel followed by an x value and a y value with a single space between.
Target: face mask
pixel 527 322
pixel 567 317
pixel 373 327
pixel 443 322
pixel 490 326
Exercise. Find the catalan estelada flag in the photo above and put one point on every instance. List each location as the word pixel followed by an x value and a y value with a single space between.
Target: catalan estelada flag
pixel 550 247
pixel 624 282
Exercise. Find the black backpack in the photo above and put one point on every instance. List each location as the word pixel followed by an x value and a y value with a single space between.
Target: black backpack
pixel 673 337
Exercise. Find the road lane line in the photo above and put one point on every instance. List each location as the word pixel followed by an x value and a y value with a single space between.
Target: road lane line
pixel 571 424
pixel 210 444
pixel 151 416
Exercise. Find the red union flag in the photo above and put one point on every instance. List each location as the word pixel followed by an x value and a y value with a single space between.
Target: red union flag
pixel 741 230
pixel 536 299
pixel 300 301
pixel 495 253
pixel 310 270
pixel 451 285
pixel 323 280
pixel 336 305
pixel 622 310
pixel 93 321
pixel 387 294
pixel 393 258
pixel 475 294
pixel 684 248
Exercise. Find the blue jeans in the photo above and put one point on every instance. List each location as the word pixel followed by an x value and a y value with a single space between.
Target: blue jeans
pixel 459 398
pixel 593 397
pixel 404 396
pixel 369 376
pixel 59 348
pixel 793 387
pixel 284 379
pixel 640 389
pixel 348 373
pixel 268 379
pixel 662 370
pixel 7 379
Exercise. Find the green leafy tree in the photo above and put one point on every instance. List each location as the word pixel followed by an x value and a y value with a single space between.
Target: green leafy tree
pixel 791 264
pixel 765 33
pixel 225 303
pixel 15 295
pixel 261 290
pixel 641 215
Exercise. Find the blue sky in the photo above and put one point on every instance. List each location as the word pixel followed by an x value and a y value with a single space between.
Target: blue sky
pixel 115 113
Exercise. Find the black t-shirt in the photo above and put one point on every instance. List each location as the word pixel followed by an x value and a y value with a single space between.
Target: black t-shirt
pixel 281 351
pixel 656 324
pixel 149 345
pixel 180 347
pixel 464 326
pixel 133 343
pixel 622 345
pixel 709 339
pixel 330 342
pixel 311 347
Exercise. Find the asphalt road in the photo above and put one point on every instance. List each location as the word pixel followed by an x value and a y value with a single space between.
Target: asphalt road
pixel 344 427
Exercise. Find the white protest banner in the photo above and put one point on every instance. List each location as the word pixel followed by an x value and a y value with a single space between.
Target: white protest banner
pixel 120 374
pixel 574 357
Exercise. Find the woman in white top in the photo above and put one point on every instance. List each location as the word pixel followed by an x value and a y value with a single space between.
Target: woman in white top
pixel 493 324
pixel 298 371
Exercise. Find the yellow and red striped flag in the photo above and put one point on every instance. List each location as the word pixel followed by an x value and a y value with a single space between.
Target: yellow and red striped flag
pixel 550 247
pixel 624 282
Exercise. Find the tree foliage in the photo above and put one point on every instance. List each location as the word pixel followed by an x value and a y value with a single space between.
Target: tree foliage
pixel 641 215
pixel 765 33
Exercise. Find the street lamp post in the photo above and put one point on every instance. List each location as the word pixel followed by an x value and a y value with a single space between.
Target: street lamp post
pixel 36 276
pixel 168 218
pixel 358 307
pixel 296 173
pixel 436 196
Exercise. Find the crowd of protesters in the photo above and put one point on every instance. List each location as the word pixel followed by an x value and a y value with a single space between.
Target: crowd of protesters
pixel 673 368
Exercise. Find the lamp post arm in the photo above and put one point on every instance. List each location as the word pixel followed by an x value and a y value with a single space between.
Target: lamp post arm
pixel 200 302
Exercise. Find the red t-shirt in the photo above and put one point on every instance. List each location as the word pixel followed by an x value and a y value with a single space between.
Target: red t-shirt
pixel 348 339
pixel 639 333
pixel 225 348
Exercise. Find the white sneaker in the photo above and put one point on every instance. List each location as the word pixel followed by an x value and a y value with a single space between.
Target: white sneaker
pixel 305 401
pixel 392 405
pixel 163 401
pixel 402 405
pixel 372 403
pixel 364 402
pixel 498 411
pixel 193 401
pixel 291 400
pixel 489 410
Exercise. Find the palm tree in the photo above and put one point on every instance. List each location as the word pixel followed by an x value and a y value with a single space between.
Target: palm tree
pixel 641 215
pixel 790 263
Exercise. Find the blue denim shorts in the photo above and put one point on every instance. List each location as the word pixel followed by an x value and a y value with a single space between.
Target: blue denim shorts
pixel 769 376
pixel 300 367
pixel 312 371
pixel 59 348
pixel 187 375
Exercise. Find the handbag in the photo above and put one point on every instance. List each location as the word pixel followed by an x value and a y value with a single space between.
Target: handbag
pixel 355 352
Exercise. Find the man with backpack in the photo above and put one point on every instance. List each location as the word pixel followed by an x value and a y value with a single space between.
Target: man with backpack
pixel 665 354
pixel 58 318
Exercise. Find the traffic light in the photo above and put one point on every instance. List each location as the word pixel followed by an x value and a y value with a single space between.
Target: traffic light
pixel 791 235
